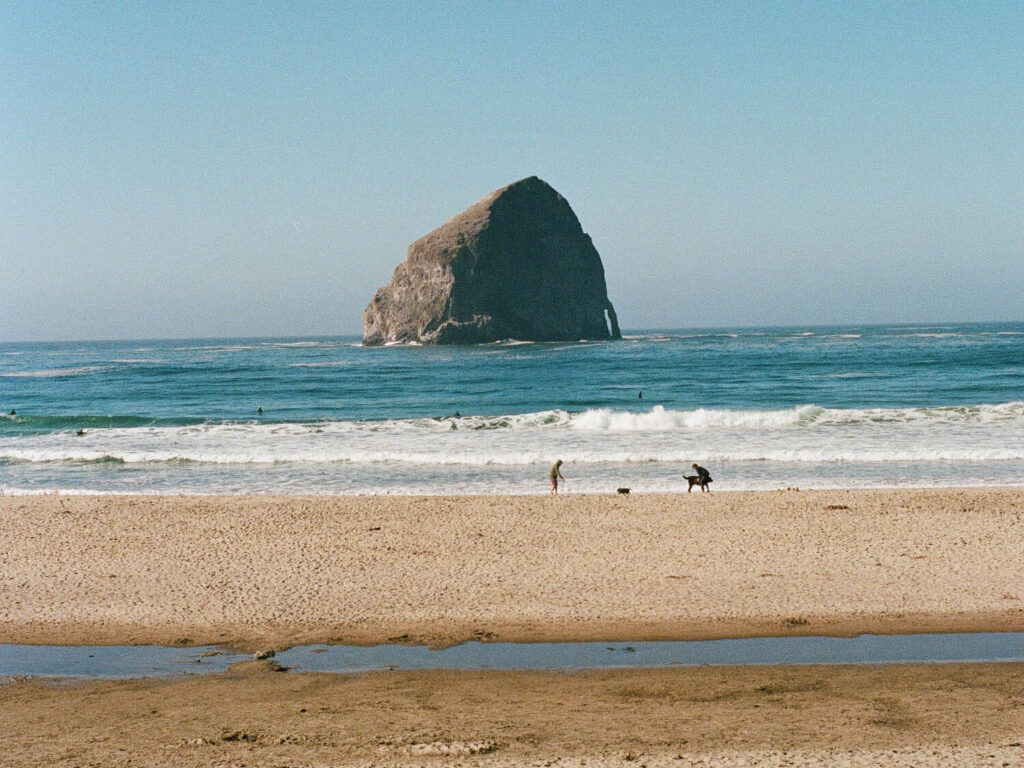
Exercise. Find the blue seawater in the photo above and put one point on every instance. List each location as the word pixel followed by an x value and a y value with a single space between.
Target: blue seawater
pixel 762 408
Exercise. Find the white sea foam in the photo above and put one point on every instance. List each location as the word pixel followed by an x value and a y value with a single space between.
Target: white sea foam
pixel 294 344
pixel 325 364
pixel 653 336
pixel 857 375
pixel 6 490
pixel 804 435
pixel 53 373
pixel 480 456
pixel 218 347
pixel 660 419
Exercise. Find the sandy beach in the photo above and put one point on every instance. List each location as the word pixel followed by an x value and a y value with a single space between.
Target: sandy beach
pixel 932 715
pixel 268 572
pixel 257 571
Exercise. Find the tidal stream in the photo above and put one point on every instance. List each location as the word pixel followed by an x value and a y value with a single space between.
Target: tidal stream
pixel 160 661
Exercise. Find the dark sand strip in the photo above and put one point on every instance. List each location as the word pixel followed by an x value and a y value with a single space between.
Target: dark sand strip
pixel 932 715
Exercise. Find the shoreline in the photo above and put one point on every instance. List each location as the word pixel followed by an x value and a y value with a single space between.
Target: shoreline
pixel 440 635
pixel 533 493
pixel 15 493
pixel 259 572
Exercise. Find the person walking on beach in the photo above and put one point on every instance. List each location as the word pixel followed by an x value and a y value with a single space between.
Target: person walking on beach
pixel 703 478
pixel 556 472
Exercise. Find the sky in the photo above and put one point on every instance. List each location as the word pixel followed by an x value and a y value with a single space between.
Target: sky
pixel 179 169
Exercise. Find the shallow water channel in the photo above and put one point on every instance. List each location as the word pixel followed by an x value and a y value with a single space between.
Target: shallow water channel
pixel 160 661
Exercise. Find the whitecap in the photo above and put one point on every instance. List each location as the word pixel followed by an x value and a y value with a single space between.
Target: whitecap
pixel 298 344
pixel 218 347
pixel 324 364
pixel 53 373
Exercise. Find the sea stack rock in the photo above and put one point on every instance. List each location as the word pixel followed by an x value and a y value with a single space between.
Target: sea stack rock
pixel 514 265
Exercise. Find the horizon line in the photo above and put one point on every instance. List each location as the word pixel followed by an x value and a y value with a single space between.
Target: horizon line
pixel 625 332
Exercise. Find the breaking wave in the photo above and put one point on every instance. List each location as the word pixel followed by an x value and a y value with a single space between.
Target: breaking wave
pixel 660 419
pixel 806 434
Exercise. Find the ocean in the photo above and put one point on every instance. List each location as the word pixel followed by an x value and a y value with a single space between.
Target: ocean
pixel 877 406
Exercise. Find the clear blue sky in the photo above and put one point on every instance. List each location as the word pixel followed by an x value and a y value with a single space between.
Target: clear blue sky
pixel 174 169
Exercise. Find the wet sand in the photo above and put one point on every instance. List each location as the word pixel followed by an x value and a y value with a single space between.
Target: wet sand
pixel 932 715
pixel 258 571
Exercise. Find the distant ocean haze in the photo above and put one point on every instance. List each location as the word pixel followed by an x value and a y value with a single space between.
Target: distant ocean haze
pixel 835 407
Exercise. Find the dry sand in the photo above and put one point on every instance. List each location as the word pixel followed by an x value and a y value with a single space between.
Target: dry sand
pixel 275 571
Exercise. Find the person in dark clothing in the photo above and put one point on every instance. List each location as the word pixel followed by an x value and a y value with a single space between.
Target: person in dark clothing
pixel 703 478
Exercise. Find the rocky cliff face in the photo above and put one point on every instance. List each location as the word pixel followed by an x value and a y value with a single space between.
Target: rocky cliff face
pixel 515 264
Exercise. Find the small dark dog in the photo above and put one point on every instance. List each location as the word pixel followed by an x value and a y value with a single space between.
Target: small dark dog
pixel 694 480
pixel 622 490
